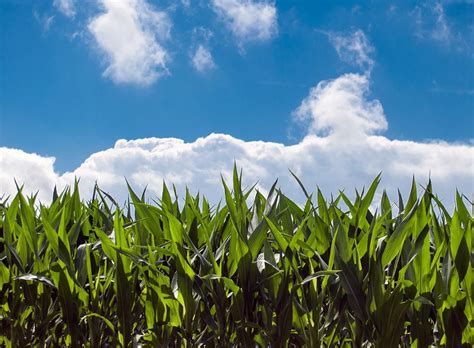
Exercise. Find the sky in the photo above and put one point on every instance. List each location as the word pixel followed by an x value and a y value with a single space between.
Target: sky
pixel 153 90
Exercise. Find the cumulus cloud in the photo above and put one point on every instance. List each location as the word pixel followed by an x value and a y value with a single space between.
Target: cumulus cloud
pixel 202 59
pixel 248 20
pixel 339 109
pixel 66 7
pixel 343 149
pixel 131 33
pixel 340 151
pixel 354 48
pixel 34 171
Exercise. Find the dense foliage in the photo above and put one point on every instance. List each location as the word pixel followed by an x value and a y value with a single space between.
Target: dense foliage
pixel 270 273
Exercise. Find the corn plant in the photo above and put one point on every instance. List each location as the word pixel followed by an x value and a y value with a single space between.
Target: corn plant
pixel 253 270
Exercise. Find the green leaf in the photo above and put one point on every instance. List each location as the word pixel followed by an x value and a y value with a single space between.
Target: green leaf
pixel 282 243
pixel 397 238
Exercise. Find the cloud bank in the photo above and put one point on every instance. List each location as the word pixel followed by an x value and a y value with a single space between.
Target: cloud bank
pixel 344 146
pixel 342 150
pixel 130 34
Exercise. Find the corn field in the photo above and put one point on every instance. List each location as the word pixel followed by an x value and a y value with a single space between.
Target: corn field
pixel 251 271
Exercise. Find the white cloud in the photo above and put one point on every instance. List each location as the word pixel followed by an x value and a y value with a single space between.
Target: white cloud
pixel 130 33
pixel 342 149
pixel 202 59
pixel 347 155
pixel 354 48
pixel 66 7
pixel 338 108
pixel 248 20
pixel 34 171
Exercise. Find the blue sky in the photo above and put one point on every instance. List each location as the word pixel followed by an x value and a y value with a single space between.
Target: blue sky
pixel 55 100
pixel 71 84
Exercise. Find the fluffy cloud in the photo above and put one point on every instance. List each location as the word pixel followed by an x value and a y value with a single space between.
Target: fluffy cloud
pixel 338 108
pixel 66 7
pixel 343 147
pixel 340 151
pixel 34 171
pixel 130 33
pixel 202 59
pixel 354 48
pixel 248 20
